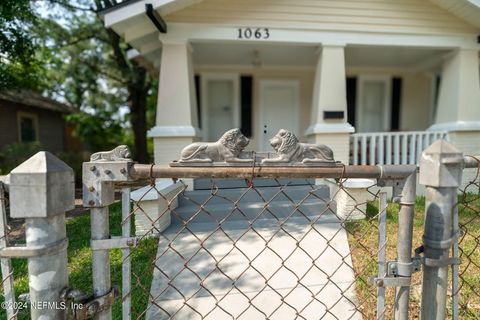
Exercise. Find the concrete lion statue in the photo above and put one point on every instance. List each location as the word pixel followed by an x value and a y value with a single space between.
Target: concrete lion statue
pixel 227 149
pixel 288 149
pixel 120 153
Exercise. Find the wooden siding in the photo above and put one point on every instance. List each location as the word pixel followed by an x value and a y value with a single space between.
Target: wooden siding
pixel 51 126
pixel 400 16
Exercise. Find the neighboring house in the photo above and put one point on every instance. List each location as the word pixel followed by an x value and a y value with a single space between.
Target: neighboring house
pixel 321 68
pixel 27 116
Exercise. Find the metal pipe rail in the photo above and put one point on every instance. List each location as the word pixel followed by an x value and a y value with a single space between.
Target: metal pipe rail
pixel 145 171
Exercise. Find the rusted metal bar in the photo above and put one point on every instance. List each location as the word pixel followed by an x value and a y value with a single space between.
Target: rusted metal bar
pixel 145 171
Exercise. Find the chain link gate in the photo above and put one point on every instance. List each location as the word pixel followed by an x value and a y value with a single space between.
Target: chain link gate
pixel 282 251
pixel 465 281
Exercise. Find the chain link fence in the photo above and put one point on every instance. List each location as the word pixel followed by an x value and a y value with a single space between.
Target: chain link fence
pixel 9 309
pixel 465 290
pixel 266 249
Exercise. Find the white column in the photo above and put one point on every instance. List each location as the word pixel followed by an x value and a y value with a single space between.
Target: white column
pixel 177 121
pixel 330 94
pixel 458 110
pixel 459 99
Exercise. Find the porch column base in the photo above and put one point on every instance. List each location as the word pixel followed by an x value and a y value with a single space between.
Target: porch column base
pixel 168 142
pixel 336 136
pixel 465 135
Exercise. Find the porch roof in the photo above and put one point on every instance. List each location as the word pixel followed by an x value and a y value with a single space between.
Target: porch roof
pixel 130 21
pixel 468 10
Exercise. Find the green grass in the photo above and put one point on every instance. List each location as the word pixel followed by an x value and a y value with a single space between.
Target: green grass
pixel 363 239
pixel 80 262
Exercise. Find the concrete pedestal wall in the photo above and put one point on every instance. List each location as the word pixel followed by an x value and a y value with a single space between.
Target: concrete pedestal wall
pixel 339 142
pixel 469 143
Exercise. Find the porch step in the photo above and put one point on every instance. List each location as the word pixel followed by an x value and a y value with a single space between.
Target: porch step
pixel 244 195
pixel 259 204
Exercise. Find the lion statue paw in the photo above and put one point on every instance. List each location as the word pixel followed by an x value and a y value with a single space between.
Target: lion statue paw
pixel 289 149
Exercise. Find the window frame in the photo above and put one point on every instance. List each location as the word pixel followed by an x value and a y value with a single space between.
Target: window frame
pixel 34 117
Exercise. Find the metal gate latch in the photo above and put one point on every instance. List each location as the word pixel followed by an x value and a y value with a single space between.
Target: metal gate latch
pixel 85 306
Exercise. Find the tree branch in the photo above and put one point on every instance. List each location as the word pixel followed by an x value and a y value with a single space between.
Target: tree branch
pixel 69 5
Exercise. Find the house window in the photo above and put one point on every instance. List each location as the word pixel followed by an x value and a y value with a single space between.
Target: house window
pixel 27 127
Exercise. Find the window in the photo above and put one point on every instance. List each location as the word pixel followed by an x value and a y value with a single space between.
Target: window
pixel 27 127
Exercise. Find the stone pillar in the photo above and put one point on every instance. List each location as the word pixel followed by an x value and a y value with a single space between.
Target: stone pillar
pixel 330 94
pixel 458 110
pixel 177 120
pixel 41 190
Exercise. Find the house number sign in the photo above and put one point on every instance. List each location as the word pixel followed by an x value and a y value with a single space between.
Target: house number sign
pixel 253 33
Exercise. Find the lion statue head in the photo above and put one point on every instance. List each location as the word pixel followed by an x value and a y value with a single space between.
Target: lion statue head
pixel 234 140
pixel 284 141
pixel 122 152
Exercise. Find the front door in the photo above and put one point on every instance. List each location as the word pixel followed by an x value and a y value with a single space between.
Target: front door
pixel 278 109
pixel 373 112
pixel 221 112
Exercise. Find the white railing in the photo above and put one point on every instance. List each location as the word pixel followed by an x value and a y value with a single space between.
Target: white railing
pixel 391 147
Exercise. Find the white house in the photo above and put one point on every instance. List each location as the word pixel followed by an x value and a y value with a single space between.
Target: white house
pixel 376 80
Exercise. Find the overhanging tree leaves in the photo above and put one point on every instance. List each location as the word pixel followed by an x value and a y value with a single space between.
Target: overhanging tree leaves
pixel 89 68
pixel 18 66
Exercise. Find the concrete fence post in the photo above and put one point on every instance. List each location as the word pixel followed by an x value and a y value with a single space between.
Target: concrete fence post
pixel 41 190
pixel 440 171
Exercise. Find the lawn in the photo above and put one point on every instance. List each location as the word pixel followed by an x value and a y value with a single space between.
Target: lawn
pixel 362 239
pixel 80 261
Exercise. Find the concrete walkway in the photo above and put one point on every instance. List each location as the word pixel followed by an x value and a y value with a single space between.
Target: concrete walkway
pixel 237 290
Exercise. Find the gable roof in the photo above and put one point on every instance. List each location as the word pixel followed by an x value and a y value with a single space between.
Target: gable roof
pixel 35 100
pixel 467 10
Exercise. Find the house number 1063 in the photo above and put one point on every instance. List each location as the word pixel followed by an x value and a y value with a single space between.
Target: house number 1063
pixel 257 33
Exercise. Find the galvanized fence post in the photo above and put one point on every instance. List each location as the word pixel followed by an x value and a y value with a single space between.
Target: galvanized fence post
pixel 440 171
pixel 41 190
pixel 98 193
pixel 404 245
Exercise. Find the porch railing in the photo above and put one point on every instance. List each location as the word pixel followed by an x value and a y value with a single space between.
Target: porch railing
pixel 391 147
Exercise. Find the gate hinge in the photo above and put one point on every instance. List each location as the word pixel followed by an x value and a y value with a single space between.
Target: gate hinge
pixel 390 281
pixel 85 306
pixel 395 268
pixel 435 263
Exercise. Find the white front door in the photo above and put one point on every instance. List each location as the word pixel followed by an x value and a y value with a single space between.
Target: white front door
pixel 373 104
pixel 220 111
pixel 278 109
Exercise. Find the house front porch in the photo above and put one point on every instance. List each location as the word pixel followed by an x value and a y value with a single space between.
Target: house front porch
pixel 395 100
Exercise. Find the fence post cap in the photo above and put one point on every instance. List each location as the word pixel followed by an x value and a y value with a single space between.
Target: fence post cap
pixel 42 186
pixel 441 165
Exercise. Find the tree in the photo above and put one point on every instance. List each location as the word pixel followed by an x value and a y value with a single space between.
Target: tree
pixel 18 66
pixel 88 67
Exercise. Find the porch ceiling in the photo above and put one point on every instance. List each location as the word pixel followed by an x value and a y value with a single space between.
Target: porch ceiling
pixel 306 56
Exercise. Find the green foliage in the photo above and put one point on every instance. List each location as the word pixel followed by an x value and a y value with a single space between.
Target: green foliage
pixel 14 154
pixel 98 131
pixel 19 67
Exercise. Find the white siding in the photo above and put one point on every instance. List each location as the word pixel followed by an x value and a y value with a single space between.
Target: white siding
pixel 401 16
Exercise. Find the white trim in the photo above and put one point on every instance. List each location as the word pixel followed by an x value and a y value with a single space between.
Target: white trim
pixel 263 84
pixel 235 78
pixel 456 126
pixel 359 111
pixel 173 131
pixel 319 128
pixel 209 32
